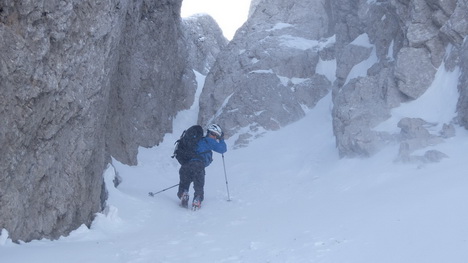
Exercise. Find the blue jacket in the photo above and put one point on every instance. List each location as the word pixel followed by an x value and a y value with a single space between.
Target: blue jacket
pixel 205 147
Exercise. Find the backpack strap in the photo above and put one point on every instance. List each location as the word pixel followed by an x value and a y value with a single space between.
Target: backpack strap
pixel 202 153
pixel 175 148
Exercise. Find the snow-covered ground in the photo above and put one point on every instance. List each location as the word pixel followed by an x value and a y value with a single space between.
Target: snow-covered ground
pixel 292 200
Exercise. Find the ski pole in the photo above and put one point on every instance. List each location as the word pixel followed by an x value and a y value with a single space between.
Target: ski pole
pixel 152 194
pixel 225 176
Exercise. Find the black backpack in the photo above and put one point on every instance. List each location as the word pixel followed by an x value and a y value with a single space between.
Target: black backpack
pixel 186 146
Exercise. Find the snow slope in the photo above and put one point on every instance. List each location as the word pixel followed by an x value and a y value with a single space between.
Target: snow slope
pixel 293 200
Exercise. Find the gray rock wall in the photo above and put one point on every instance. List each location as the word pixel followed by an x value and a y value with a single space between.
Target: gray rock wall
pixel 153 81
pixel 204 40
pixel 262 80
pixel 361 102
pixel 253 6
pixel 77 78
pixel 409 41
pixel 462 106
pixel 386 53
pixel 56 61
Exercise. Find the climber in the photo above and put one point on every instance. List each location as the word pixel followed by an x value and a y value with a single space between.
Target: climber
pixel 194 169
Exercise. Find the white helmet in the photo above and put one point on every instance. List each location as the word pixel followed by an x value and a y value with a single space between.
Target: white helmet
pixel 214 128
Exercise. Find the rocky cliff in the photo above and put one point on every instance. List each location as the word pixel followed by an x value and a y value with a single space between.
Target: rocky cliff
pixel 81 81
pixel 204 41
pixel 267 75
pixel 383 53
pixel 401 44
pixel 462 106
pixel 153 80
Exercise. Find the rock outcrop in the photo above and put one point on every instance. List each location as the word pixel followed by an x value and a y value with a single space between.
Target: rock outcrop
pixel 56 63
pixel 267 74
pixel 407 43
pixel 415 135
pixel 77 78
pixel 462 106
pixel 385 53
pixel 204 41
pixel 153 80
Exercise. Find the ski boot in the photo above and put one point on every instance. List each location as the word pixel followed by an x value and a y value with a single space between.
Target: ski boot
pixel 196 204
pixel 184 199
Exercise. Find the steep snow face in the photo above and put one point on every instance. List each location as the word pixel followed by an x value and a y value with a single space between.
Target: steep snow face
pixel 292 200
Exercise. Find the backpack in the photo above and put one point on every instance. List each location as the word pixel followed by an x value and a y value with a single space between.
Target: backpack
pixel 186 146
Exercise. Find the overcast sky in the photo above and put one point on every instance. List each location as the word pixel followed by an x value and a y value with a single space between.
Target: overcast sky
pixel 230 14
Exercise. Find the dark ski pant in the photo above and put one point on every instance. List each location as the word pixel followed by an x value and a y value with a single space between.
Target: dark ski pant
pixel 193 171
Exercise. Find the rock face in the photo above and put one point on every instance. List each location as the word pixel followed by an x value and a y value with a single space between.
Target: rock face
pixel 463 87
pixel 415 135
pixel 365 89
pixel 407 41
pixel 152 81
pixel 385 53
pixel 263 79
pixel 204 42
pixel 56 64
pixel 253 6
pixel 77 78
